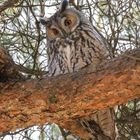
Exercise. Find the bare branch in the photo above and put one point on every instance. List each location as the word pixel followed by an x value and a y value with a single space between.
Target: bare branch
pixel 7 4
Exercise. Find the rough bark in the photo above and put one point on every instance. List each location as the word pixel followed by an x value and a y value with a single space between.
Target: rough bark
pixel 65 98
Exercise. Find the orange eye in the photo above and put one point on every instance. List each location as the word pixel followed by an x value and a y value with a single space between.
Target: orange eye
pixel 55 31
pixel 67 22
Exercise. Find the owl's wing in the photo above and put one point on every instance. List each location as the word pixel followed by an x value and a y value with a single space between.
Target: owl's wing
pixel 100 124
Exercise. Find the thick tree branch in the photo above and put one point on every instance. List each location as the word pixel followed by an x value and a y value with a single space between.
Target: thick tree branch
pixel 65 98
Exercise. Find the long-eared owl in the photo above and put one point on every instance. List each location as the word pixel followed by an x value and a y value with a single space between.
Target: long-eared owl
pixel 73 43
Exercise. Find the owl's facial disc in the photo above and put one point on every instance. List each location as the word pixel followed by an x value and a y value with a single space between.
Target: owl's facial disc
pixel 53 33
pixel 69 21
pixel 61 24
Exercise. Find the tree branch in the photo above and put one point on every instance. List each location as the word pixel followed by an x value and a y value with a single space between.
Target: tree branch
pixel 7 4
pixel 65 98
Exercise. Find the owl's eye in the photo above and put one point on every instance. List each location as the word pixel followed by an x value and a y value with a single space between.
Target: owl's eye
pixel 55 31
pixel 67 22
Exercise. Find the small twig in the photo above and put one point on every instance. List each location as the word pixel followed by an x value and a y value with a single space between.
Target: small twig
pixel 131 57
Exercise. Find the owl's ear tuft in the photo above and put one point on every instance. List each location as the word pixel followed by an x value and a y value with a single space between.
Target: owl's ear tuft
pixel 43 21
pixel 64 5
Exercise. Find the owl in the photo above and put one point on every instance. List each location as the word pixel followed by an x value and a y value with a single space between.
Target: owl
pixel 72 44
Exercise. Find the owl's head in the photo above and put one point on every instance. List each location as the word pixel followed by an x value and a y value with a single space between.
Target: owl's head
pixel 63 22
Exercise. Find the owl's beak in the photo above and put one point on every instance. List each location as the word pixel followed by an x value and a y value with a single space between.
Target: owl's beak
pixel 43 21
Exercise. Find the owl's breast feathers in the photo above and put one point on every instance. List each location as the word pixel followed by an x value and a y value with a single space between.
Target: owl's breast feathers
pixel 78 50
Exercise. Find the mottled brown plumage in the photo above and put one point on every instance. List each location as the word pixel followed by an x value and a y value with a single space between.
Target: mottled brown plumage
pixel 73 43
